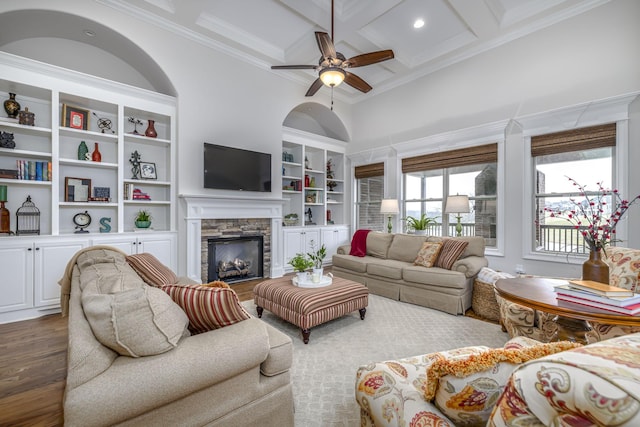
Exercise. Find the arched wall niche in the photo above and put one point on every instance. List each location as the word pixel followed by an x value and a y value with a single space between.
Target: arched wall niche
pixel 317 119
pixel 42 34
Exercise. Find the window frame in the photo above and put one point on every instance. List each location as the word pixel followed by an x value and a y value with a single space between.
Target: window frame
pixel 445 224
pixel 619 178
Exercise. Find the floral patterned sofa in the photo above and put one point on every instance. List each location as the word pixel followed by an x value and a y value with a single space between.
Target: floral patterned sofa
pixel 518 385
pixel 624 271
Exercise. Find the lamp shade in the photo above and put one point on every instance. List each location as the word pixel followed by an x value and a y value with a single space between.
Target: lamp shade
pixel 332 76
pixel 389 206
pixel 457 204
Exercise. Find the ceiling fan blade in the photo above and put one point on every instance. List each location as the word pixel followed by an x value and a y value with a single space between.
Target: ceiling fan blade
pixel 315 86
pixel 356 82
pixel 294 67
pixel 369 58
pixel 326 45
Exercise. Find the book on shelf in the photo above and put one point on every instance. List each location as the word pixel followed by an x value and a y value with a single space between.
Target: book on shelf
pixel 617 301
pixel 631 310
pixel 600 288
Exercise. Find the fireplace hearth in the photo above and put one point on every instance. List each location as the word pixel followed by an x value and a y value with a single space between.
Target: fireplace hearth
pixel 235 259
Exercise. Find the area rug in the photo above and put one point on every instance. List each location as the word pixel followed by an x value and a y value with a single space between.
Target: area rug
pixel 323 371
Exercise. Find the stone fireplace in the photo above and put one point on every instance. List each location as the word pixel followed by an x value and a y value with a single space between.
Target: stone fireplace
pixel 232 218
pixel 227 239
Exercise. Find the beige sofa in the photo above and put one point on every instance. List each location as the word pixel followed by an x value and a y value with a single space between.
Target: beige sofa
pixel 388 270
pixel 235 375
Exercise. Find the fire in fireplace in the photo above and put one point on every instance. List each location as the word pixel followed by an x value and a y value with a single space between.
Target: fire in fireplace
pixel 235 259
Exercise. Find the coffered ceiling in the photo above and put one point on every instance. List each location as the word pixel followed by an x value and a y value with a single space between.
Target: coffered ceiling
pixel 277 32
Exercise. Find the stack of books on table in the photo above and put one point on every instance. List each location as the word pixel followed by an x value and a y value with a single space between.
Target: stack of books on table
pixel 599 295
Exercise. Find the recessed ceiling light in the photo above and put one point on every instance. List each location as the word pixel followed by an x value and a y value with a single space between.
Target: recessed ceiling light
pixel 418 23
pixel 89 33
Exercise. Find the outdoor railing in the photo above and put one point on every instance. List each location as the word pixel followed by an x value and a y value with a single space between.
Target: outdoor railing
pixel 561 239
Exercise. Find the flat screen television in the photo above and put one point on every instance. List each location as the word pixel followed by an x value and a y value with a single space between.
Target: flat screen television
pixel 227 168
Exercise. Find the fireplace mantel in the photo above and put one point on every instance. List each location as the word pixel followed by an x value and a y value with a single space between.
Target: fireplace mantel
pixel 199 207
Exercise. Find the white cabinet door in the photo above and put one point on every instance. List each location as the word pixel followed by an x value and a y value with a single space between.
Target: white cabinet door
pixel 51 259
pixel 311 236
pixel 299 241
pixel 16 264
pixel 332 238
pixel 127 244
pixel 293 242
pixel 162 246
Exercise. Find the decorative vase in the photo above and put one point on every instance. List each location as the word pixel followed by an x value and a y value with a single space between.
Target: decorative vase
pixel 96 156
pixel 143 224
pixel 151 130
pixel 83 150
pixel 595 268
pixel 11 106
pixel 316 275
pixel 303 276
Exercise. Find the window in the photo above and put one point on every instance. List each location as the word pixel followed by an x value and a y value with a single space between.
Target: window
pixel 587 156
pixel 470 171
pixel 369 195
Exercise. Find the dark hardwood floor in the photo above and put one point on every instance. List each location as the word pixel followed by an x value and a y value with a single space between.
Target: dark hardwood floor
pixel 33 367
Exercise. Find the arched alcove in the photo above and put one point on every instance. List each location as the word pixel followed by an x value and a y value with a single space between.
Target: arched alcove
pixel 92 47
pixel 317 119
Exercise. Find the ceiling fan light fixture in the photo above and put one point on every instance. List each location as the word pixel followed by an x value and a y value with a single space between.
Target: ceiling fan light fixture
pixel 332 76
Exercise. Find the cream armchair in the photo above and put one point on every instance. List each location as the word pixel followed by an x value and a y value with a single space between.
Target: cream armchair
pixel 624 272
pixel 523 384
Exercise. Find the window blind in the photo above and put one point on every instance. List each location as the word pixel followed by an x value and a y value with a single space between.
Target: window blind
pixel 574 140
pixel 465 156
pixel 368 171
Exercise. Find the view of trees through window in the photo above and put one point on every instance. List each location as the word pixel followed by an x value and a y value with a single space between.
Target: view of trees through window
pixel 554 191
pixel 424 192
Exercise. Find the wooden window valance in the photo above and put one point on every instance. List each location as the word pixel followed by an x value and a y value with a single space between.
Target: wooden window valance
pixel 574 140
pixel 368 171
pixel 465 156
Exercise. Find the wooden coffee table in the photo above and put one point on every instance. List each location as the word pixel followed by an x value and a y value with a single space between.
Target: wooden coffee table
pixel 573 319
pixel 309 307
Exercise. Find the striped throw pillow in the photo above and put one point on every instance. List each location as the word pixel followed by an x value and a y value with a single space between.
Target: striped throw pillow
pixel 207 307
pixel 152 271
pixel 450 252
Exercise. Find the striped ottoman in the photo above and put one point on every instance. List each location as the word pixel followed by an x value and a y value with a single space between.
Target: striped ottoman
pixel 309 307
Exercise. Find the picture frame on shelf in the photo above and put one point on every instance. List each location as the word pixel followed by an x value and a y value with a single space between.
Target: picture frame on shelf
pixel 77 189
pixel 74 117
pixel 148 170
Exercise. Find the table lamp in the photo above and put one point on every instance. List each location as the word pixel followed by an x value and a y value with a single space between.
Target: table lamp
pixel 457 204
pixel 5 218
pixel 389 207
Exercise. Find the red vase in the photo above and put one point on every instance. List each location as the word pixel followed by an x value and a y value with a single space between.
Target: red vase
pixel 595 268
pixel 151 130
pixel 96 156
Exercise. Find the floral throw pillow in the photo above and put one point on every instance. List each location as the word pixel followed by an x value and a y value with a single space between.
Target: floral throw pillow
pixel 450 252
pixel 428 254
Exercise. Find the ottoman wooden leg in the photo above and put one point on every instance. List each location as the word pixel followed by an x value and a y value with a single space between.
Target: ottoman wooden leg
pixel 259 310
pixel 305 335
pixel 362 313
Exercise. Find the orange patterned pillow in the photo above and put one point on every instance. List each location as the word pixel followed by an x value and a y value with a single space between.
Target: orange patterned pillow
pixel 207 307
pixel 216 284
pixel 450 252
pixel 428 254
pixel 151 270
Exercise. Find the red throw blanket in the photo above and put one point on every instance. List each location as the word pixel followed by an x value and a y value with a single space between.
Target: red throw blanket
pixel 359 243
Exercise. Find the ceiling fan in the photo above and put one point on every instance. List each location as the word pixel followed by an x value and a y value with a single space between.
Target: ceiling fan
pixel 332 65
